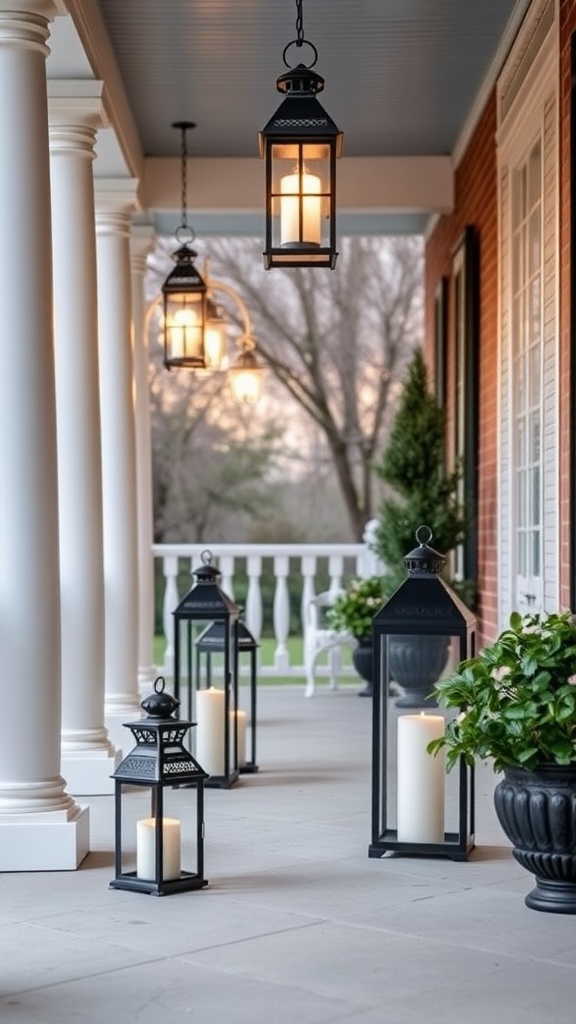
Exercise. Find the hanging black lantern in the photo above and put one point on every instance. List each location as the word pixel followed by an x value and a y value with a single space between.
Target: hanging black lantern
pixel 423 629
pixel 300 145
pixel 154 788
pixel 184 291
pixel 213 707
pixel 212 641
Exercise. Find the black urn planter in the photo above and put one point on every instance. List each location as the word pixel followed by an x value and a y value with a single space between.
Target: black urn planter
pixel 416 664
pixel 537 811
pixel 363 661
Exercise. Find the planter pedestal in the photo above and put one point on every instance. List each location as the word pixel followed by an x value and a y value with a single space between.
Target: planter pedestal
pixel 363 661
pixel 537 811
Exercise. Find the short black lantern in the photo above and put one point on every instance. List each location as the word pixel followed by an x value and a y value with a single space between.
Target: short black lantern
pixel 210 642
pixel 148 830
pixel 422 629
pixel 215 706
pixel 185 292
pixel 300 145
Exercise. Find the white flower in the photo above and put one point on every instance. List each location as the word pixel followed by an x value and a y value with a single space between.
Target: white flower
pixel 500 673
pixel 571 680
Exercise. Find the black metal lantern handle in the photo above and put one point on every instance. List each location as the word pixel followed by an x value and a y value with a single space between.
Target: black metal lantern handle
pixel 297 42
pixel 424 535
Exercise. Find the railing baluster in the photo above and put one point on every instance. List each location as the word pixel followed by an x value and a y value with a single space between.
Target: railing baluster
pixel 170 564
pixel 226 565
pixel 281 613
pixel 335 570
pixel 254 596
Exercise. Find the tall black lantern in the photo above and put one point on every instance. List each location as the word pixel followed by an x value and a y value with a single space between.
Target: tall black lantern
pixel 155 827
pixel 214 706
pixel 300 145
pixel 210 642
pixel 421 631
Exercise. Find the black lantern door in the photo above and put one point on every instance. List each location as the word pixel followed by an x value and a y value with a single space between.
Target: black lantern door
pixel 423 630
pixel 211 642
pixel 159 805
pixel 211 703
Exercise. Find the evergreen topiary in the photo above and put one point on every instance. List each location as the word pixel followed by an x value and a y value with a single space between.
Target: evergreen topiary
pixel 413 466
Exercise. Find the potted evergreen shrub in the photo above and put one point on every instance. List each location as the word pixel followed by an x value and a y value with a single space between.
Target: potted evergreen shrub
pixel 420 492
pixel 517 706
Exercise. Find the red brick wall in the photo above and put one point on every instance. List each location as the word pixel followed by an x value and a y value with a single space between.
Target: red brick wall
pixel 476 204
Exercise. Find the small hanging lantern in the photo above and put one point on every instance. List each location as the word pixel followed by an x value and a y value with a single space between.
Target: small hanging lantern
pixel 246 375
pixel 214 707
pixel 154 785
pixel 184 291
pixel 215 332
pixel 210 642
pixel 300 145
pixel 422 630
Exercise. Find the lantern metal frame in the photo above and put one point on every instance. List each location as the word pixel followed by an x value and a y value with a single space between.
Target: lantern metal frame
pixel 207 603
pixel 210 642
pixel 423 606
pixel 184 291
pixel 303 132
pixel 159 761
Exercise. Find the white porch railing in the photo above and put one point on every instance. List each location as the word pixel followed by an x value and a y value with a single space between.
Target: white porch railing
pixel 309 563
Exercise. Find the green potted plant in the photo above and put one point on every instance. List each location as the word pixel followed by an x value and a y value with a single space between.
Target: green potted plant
pixel 353 612
pixel 517 706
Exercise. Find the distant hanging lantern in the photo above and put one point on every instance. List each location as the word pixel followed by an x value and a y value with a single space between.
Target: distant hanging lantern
pixel 246 376
pixel 300 145
pixel 184 291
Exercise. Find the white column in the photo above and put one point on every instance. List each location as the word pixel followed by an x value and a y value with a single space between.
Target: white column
pixel 41 827
pixel 114 201
pixel 88 758
pixel 140 244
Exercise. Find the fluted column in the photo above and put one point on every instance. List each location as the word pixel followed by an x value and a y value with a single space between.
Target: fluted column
pixel 88 758
pixel 114 202
pixel 41 827
pixel 141 242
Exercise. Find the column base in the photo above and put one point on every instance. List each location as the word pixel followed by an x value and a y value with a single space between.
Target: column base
pixel 45 845
pixel 119 736
pixel 88 773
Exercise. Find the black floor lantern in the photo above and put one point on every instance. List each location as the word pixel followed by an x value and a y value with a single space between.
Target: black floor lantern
pixel 210 642
pixel 416 808
pixel 156 827
pixel 214 707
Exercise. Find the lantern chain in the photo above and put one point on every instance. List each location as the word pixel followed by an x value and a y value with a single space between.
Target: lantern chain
pixel 184 154
pixel 299 23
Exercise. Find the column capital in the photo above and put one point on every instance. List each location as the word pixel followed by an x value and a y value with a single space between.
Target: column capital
pixel 116 199
pixel 24 23
pixel 76 104
pixel 142 240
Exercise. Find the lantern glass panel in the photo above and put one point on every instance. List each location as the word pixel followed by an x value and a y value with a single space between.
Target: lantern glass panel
pixel 177 808
pixel 419 804
pixel 300 195
pixel 184 326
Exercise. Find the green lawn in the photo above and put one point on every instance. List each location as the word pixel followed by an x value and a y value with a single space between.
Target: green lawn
pixel 267 648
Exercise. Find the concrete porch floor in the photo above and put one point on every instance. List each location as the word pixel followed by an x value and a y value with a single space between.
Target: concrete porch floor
pixel 297 924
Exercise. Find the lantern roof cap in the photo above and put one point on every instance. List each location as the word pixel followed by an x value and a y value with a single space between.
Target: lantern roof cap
pixel 424 560
pixel 160 705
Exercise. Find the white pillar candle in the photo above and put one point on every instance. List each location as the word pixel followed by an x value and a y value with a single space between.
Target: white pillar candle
pixel 420 786
pixel 290 209
pixel 241 720
pixel 146 848
pixel 210 730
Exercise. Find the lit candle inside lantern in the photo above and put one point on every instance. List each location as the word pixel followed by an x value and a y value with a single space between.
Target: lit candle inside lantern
pixel 290 209
pixel 146 848
pixel 420 786
pixel 241 720
pixel 184 332
pixel 210 730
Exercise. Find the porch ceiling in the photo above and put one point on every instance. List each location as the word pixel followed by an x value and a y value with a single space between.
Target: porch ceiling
pixel 402 77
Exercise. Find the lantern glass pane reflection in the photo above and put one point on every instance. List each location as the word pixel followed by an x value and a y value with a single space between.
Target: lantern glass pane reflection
pixel 300 195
